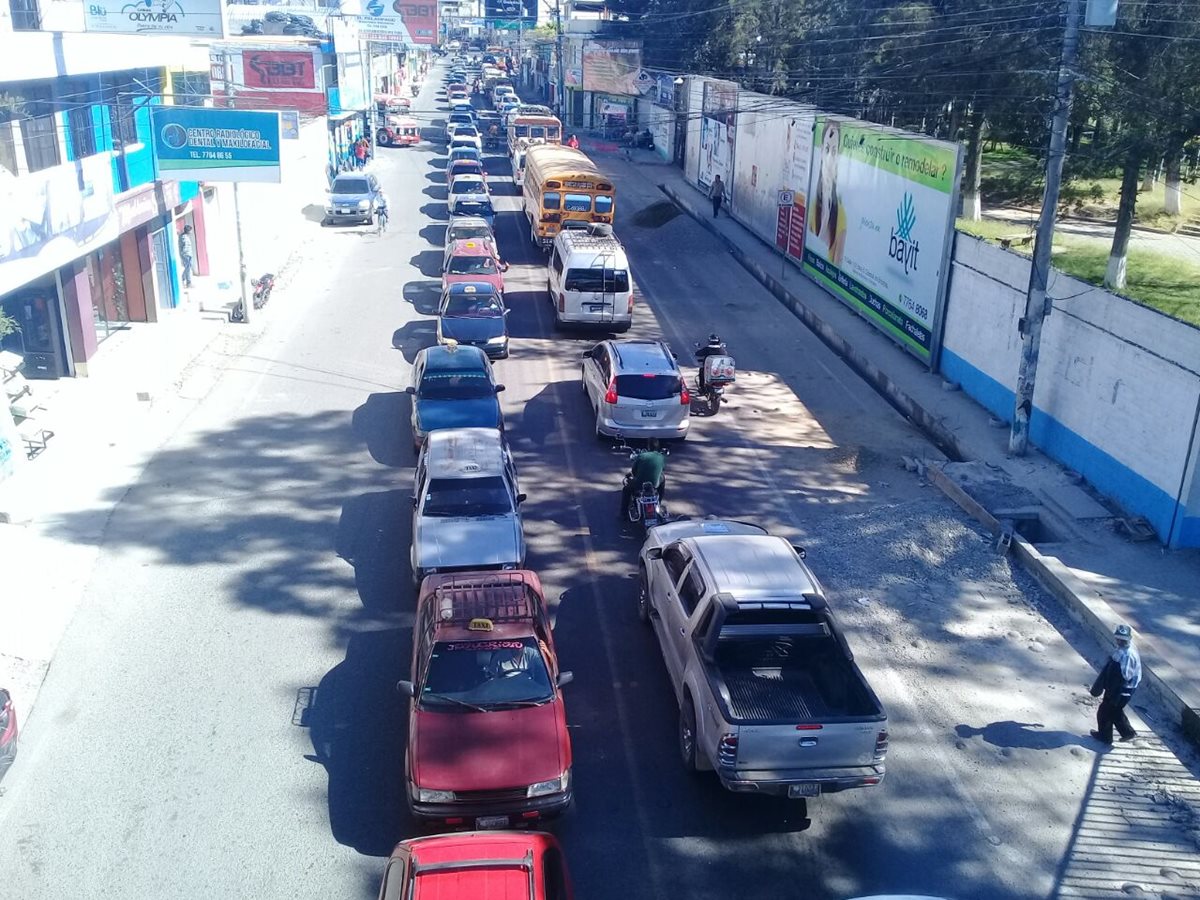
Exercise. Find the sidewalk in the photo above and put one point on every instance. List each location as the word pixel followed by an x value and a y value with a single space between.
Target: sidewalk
pixel 1063 534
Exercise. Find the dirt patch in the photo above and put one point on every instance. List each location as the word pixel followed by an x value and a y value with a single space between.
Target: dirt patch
pixel 656 215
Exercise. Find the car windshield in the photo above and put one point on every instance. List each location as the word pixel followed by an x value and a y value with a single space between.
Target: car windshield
pixel 350 186
pixel 467 497
pixel 647 387
pixel 465 131
pixel 473 209
pixel 475 306
pixel 465 153
pixel 464 232
pixel 471 265
pixel 455 385
pixel 471 184
pixel 491 674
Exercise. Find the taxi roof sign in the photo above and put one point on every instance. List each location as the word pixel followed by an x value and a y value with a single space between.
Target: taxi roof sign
pixel 480 624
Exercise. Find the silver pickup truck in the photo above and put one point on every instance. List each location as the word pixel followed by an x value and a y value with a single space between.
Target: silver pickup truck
pixel 769 694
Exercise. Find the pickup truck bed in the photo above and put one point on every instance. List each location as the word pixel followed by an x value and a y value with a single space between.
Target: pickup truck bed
pixel 790 678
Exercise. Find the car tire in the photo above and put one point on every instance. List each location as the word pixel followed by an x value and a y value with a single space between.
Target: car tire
pixel 687 734
pixel 643 606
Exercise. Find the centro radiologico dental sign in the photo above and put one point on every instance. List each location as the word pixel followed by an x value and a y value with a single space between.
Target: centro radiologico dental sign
pixel 200 144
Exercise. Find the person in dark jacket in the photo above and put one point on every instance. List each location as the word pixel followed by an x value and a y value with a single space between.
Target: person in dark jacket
pixel 1120 677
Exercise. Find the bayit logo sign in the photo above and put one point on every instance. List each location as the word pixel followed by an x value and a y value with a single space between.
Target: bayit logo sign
pixel 902 247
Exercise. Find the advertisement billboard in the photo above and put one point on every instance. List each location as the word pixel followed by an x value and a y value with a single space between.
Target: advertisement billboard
pixel 612 67
pixel 718 133
pixel 276 69
pixel 188 17
pixel 880 214
pixel 399 22
pixel 201 144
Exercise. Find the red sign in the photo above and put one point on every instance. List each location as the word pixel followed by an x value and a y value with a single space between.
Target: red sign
pixel 783 227
pixel 421 20
pixel 278 69
pixel 795 244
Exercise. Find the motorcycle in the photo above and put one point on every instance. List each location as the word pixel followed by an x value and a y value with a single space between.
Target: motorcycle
pixel 638 139
pixel 416 89
pixel 645 506
pixel 261 287
pixel 8 731
pixel 719 371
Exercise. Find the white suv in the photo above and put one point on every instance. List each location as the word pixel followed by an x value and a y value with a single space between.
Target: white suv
pixel 637 390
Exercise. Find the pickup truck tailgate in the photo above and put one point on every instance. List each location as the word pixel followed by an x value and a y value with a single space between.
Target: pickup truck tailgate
pixel 808 746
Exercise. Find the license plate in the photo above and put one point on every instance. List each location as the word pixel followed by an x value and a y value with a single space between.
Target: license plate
pixel 649 413
pixel 596 307
pixel 484 822
pixel 804 789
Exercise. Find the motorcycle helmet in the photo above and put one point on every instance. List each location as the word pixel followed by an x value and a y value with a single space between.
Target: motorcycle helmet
pixel 1123 633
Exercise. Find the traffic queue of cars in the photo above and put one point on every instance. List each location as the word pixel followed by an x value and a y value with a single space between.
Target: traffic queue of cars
pixel 769 695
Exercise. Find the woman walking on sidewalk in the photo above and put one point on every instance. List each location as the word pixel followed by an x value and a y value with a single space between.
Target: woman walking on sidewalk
pixel 1120 677
pixel 716 194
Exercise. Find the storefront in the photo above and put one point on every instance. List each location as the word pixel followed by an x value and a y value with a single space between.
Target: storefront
pixel 613 115
pixel 40 337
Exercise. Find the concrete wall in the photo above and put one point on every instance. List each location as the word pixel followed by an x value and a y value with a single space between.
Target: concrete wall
pixel 1118 388
pixel 661 122
pixel 763 159
pixel 695 102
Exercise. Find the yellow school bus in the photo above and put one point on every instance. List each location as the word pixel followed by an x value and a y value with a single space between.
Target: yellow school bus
pixel 563 189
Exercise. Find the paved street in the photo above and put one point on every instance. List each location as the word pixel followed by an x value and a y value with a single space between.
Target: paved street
pixel 220 717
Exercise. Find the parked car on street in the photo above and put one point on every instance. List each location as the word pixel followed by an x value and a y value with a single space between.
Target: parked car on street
pixel 473 315
pixel 636 390
pixel 478 865
pixel 463 167
pixel 465 228
pixel 488 745
pixel 769 695
pixel 353 199
pixel 466 504
pixel 453 387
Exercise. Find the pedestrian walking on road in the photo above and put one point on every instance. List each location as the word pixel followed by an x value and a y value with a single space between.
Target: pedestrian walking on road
pixel 1120 677
pixel 187 254
pixel 716 194
pixel 573 142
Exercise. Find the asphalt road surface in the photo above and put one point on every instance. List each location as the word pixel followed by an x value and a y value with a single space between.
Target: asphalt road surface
pixel 221 719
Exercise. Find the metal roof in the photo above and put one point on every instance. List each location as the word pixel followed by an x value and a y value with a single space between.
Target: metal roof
pixel 754 567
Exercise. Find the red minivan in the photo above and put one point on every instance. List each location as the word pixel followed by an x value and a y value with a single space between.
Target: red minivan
pixel 487 728
pixel 523 865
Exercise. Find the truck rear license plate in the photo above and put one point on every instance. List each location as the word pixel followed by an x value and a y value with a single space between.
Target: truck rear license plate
pixel 649 413
pixel 804 789
pixel 491 822
pixel 596 307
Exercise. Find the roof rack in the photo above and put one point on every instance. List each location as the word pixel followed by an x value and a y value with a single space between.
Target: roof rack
pixel 498 596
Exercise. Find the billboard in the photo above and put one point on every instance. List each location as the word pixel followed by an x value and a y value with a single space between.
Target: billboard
pixel 187 17
pixel 399 22
pixel 278 69
pixel 612 67
pixel 718 133
pixel 200 144
pixel 880 214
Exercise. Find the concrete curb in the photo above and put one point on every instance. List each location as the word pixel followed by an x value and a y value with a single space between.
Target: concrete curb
pixel 1084 605
pixel 1090 611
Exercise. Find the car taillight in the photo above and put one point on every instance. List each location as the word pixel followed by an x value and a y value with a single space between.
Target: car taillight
pixel 562 302
pixel 727 750
pixel 685 399
pixel 611 395
pixel 630 309
pixel 881 745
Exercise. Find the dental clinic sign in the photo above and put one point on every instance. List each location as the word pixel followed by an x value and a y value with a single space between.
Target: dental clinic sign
pixel 200 144
pixel 880 220
pixel 187 17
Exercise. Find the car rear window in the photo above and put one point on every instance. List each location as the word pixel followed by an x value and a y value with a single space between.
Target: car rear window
pixel 473 209
pixel 597 281
pixel 648 387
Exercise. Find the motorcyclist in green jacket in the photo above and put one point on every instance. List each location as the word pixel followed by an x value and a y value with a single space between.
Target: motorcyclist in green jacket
pixel 648 467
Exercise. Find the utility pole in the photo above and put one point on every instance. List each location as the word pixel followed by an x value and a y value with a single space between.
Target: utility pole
pixel 561 92
pixel 1039 272
pixel 247 306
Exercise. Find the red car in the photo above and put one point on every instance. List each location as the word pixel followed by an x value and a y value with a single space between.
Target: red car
pixel 487 727
pixel 473 261
pixel 528 865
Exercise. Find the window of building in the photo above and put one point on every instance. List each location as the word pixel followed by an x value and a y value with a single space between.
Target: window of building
pixel 26 15
pixel 190 88
pixel 8 145
pixel 77 98
pixel 39 129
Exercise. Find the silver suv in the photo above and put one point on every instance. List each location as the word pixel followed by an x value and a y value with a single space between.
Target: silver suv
pixel 636 389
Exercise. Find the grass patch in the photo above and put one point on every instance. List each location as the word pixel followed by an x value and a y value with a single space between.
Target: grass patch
pixel 1158 280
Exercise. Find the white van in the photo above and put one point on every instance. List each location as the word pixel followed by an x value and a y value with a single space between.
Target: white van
pixel 589 279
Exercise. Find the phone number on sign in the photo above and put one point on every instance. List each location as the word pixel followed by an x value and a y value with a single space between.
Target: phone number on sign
pixel 917 309
pixel 210 154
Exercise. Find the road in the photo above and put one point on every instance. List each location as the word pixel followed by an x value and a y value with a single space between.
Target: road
pixel 221 718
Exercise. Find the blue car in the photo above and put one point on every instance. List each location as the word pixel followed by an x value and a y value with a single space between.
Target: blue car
pixel 453 387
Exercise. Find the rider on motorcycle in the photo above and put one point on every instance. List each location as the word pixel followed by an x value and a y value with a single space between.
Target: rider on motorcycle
pixel 714 347
pixel 648 468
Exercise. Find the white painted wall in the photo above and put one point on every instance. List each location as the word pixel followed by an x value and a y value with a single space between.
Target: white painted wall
pixel 695 104
pixel 35 54
pixel 1122 380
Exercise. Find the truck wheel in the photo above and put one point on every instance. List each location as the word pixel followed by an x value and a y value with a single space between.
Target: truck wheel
pixel 687 734
pixel 643 595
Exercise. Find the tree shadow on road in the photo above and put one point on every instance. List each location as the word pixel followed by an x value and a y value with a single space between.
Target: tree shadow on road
pixel 413 337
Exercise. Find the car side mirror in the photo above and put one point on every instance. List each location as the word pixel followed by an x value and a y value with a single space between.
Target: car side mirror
pixel 507 311
pixel 565 678
pixel 499 388
pixel 406 688
pixel 504 267
pixel 414 502
pixel 587 354
pixel 800 551
pixel 521 498
pixel 410 390
pixel 654 553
